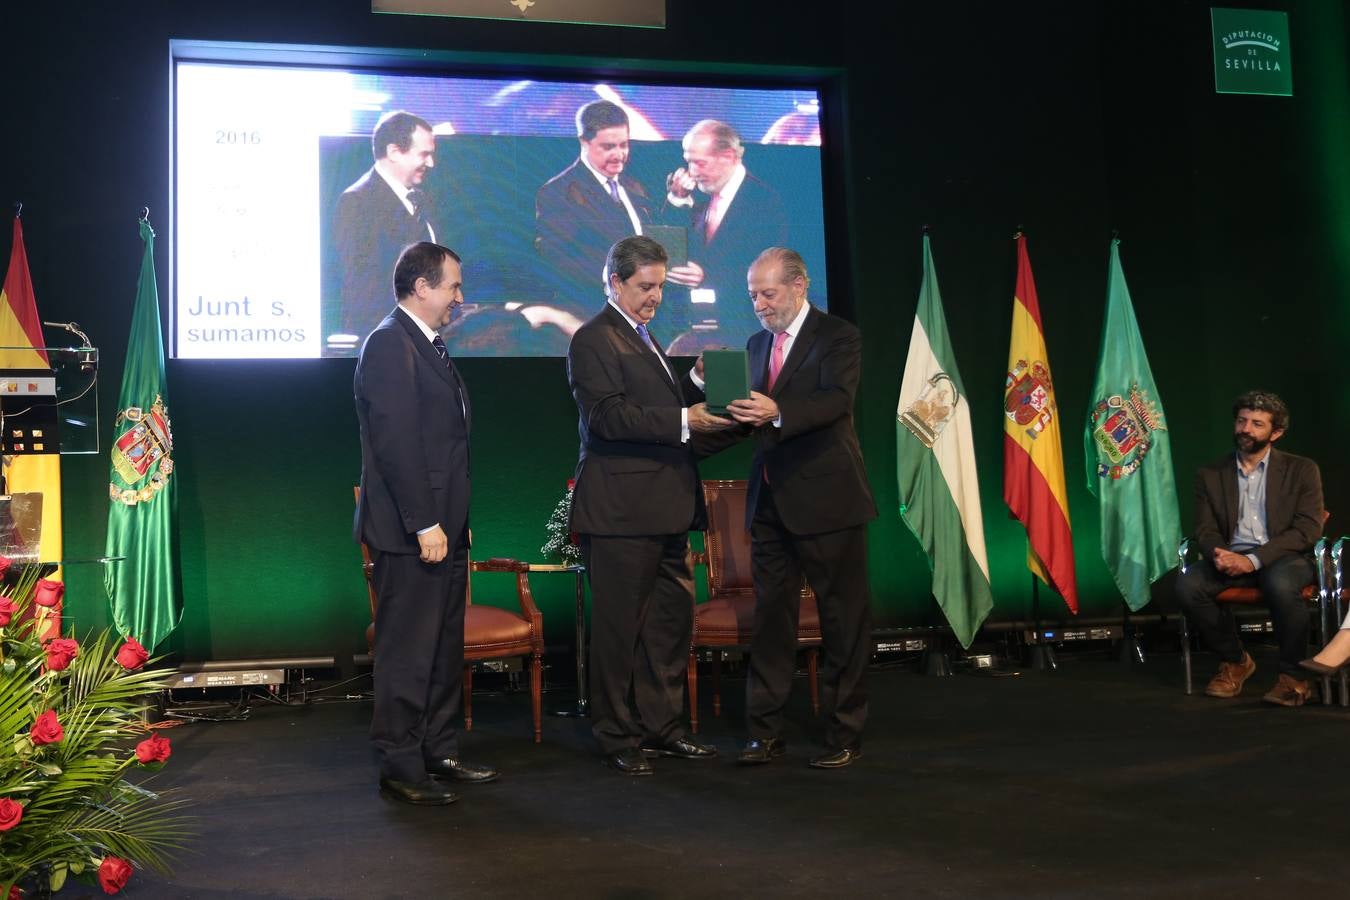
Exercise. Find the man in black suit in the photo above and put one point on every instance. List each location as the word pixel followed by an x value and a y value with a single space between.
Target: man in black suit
pixel 806 510
pixel 1257 515
pixel 583 210
pixel 636 498
pixel 414 516
pixel 737 217
pixel 384 211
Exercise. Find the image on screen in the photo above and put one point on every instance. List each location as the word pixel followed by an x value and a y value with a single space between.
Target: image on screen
pixel 296 187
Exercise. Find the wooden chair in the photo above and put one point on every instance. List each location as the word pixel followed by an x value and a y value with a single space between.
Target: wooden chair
pixel 490 632
pixel 727 619
pixel 1314 594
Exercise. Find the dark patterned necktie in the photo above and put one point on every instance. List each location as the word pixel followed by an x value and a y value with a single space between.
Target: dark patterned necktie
pixel 441 350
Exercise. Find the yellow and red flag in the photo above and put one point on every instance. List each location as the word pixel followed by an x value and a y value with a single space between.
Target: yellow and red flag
pixel 1033 457
pixel 22 347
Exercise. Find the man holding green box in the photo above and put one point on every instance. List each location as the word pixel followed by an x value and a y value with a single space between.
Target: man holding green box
pixel 807 508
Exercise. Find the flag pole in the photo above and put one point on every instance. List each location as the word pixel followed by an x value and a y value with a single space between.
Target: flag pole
pixel 1042 654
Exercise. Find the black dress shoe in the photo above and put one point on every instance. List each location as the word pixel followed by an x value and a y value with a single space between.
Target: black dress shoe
pixel 1312 665
pixel 836 759
pixel 426 793
pixel 629 761
pixel 680 748
pixel 758 751
pixel 453 770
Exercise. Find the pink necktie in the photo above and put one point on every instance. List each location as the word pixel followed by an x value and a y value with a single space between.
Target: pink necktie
pixel 776 360
pixel 713 219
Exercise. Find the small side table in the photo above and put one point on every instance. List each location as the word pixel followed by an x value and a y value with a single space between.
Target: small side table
pixel 583 693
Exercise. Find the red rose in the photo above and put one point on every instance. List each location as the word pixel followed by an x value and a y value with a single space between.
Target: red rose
pixel 46 729
pixel 113 873
pixel 7 609
pixel 15 893
pixel 571 484
pixel 10 813
pixel 60 651
pixel 154 749
pixel 5 563
pixel 131 656
pixel 48 592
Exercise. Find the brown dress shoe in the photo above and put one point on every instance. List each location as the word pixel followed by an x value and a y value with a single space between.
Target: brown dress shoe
pixel 1228 683
pixel 1289 691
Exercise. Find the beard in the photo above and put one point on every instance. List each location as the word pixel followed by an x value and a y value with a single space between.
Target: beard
pixel 1248 444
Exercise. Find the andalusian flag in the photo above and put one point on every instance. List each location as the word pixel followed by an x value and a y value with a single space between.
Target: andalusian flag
pixel 22 347
pixel 143 588
pixel 1129 455
pixel 935 464
pixel 1033 458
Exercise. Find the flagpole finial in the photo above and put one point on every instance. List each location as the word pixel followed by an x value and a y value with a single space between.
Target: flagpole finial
pixel 925 229
pixel 1115 234
pixel 18 208
pixel 145 214
pixel 1017 233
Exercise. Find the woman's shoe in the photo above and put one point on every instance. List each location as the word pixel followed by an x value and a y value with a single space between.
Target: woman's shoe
pixel 1313 665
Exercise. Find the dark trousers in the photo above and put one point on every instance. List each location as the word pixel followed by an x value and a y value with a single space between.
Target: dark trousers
pixel 642 619
pixel 835 566
pixel 419 659
pixel 1281 584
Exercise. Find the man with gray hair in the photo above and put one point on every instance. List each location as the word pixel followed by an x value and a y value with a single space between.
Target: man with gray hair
pixel 1258 513
pixel 737 216
pixel 637 496
pixel 807 509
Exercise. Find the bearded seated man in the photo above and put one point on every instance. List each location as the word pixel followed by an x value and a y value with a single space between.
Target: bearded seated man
pixel 1258 513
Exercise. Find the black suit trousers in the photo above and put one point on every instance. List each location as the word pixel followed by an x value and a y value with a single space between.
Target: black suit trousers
pixel 1281 584
pixel 835 566
pixel 642 620
pixel 419 659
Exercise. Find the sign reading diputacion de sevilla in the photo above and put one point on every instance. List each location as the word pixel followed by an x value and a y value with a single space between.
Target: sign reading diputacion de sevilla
pixel 1123 428
pixel 141 455
pixel 1251 52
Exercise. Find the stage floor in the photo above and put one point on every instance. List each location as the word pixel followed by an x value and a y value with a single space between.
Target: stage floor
pixel 1096 781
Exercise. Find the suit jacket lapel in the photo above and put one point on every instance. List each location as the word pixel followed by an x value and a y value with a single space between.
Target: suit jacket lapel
pixel 628 333
pixel 423 345
pixel 1228 478
pixel 801 345
pixel 1274 480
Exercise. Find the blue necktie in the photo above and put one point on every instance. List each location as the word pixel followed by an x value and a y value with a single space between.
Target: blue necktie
pixel 441 350
pixel 651 345
pixel 614 189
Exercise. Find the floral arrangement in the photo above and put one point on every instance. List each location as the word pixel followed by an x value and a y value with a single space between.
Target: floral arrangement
pixel 71 730
pixel 561 544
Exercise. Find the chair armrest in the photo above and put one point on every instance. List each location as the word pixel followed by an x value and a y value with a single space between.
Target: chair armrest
pixel 523 593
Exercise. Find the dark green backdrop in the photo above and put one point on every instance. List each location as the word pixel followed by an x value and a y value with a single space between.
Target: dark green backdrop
pixel 1068 118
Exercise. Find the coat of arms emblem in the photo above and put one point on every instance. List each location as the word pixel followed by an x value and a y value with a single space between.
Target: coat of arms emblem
pixel 932 409
pixel 1028 398
pixel 1122 427
pixel 142 450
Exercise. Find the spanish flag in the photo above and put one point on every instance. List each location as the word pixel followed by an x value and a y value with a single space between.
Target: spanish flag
pixel 1033 459
pixel 22 347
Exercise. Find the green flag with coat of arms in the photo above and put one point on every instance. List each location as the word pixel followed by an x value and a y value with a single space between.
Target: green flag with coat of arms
pixel 1129 453
pixel 143 586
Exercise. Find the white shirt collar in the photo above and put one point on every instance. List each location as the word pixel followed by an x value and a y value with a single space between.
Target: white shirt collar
pixel 795 328
pixel 603 179
pixel 425 328
pixel 627 318
pixel 728 191
pixel 399 190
